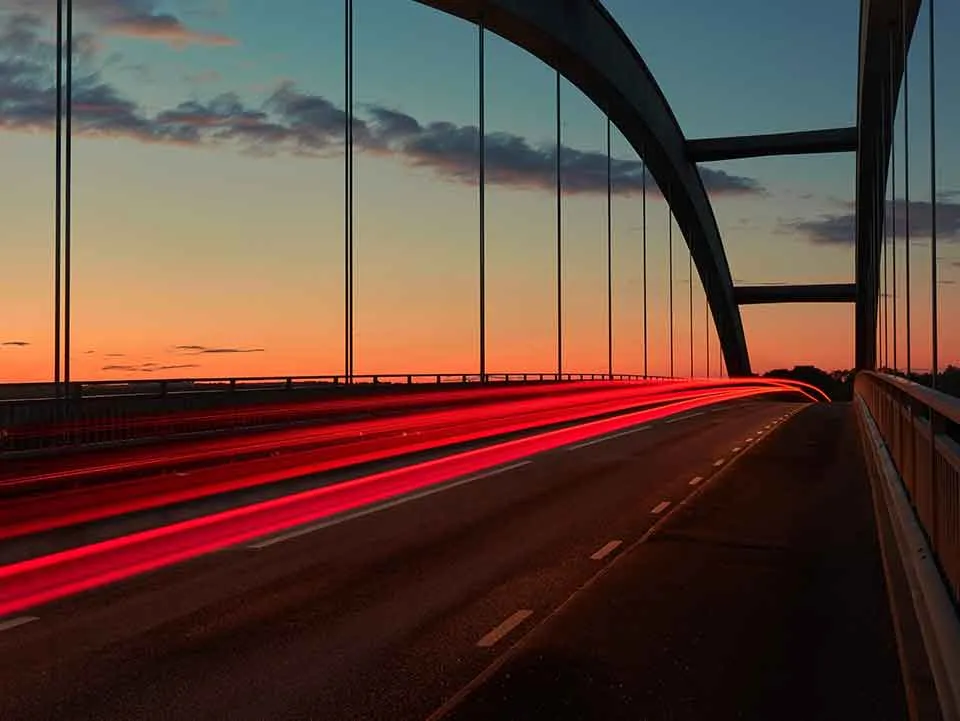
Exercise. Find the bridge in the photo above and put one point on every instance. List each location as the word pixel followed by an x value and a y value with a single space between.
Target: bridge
pixel 597 510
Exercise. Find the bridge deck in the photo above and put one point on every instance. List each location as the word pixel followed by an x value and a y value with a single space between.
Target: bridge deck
pixel 765 598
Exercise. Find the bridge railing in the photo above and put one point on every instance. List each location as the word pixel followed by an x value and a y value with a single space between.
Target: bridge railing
pixel 921 430
pixel 33 419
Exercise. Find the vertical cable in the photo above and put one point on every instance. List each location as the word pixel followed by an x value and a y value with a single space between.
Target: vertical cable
pixel 348 193
pixel 643 205
pixel 906 180
pixel 609 256
pixel 706 332
pixel 934 304
pixel 690 277
pixel 68 198
pixel 894 336
pixel 892 109
pixel 58 211
pixel 559 244
pixel 670 273
pixel 483 208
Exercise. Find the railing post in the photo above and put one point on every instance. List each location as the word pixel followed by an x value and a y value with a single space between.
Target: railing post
pixel 936 425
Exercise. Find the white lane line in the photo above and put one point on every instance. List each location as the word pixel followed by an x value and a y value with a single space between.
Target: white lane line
pixel 695 480
pixel 719 462
pixel 594 441
pixel 304 530
pixel 736 449
pixel 606 550
pixel 660 508
pixel 504 628
pixel 14 622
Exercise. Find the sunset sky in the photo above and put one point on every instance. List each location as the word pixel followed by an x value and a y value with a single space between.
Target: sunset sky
pixel 208 200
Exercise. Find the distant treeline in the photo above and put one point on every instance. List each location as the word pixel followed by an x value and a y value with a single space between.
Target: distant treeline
pixel 839 384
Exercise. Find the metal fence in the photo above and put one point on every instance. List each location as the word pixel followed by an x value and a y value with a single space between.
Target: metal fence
pixel 921 429
pixel 33 419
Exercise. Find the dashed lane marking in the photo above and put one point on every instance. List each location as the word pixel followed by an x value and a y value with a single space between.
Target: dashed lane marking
pixel 504 628
pixel 606 550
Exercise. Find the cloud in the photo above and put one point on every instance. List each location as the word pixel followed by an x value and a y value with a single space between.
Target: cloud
pixel 294 122
pixel 452 151
pixel 840 229
pixel 200 349
pixel 149 367
pixel 15 343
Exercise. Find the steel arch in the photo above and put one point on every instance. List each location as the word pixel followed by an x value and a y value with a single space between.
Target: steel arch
pixel 583 41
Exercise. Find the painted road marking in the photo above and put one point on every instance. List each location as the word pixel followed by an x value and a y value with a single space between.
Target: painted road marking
pixel 686 416
pixel 695 480
pixel 607 438
pixel 504 628
pixel 719 462
pixel 606 550
pixel 383 506
pixel 660 507
pixel 14 622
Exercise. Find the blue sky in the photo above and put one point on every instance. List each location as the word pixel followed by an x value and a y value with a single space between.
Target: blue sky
pixel 208 171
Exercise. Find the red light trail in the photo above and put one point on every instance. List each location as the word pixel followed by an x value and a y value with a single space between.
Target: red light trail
pixel 43 579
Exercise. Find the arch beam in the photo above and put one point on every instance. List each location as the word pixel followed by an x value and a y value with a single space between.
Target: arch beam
pixel 583 41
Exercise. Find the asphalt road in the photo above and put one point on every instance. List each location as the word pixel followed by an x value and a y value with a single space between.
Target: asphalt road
pixel 392 614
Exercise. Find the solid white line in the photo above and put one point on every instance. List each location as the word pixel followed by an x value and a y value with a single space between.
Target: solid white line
pixel 383 506
pixel 606 551
pixel 695 480
pixel 660 507
pixel 594 441
pixel 719 462
pixel 14 622
pixel 504 628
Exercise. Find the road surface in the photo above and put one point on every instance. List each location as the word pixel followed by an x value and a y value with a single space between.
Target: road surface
pixel 394 614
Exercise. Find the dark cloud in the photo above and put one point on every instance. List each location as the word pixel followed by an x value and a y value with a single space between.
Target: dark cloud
pixel 840 229
pixel 149 367
pixel 15 343
pixel 291 121
pixel 452 151
pixel 200 349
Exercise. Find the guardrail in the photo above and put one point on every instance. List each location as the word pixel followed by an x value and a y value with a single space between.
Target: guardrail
pixel 921 430
pixel 162 387
pixel 111 412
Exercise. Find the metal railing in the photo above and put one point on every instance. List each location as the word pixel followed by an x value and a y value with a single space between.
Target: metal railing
pixel 33 419
pixel 921 430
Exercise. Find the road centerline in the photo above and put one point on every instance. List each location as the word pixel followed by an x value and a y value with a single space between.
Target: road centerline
pixel 505 627
pixel 606 550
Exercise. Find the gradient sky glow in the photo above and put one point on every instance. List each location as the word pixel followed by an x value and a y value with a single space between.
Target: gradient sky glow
pixel 208 198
